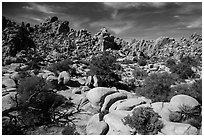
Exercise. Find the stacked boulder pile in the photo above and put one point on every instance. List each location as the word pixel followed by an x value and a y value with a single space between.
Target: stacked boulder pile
pixel 15 39
pixel 173 49
pixel 165 47
pixel 51 38
pixel 114 105
pixel 105 40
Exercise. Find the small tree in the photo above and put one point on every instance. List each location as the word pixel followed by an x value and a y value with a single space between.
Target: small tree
pixel 183 70
pixel 103 67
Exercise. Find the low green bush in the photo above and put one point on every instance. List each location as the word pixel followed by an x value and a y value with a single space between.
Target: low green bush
pixel 139 73
pixel 61 66
pixel 170 62
pixel 144 121
pixel 157 86
pixel 183 70
pixel 189 61
pixel 196 90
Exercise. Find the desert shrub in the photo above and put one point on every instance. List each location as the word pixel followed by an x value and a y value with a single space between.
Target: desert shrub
pixel 170 62
pixel 30 85
pixel 61 66
pixel 157 86
pixel 117 66
pixel 139 73
pixel 183 70
pixel 70 130
pixel 37 101
pixel 179 89
pixel 189 61
pixel 187 114
pixel 103 67
pixel 34 60
pixel 144 120
pixel 194 90
pixel 11 129
pixel 142 62
pixel 34 106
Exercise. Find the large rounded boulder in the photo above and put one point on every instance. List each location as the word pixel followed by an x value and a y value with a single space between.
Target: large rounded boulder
pixel 110 99
pixel 173 128
pixel 182 100
pixel 96 96
pixel 162 108
pixel 9 83
pixel 64 77
pixel 115 123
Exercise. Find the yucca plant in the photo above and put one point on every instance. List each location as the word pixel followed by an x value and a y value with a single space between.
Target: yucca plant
pixel 187 114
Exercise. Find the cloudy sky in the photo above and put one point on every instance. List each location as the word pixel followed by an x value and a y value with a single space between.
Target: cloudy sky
pixel 127 20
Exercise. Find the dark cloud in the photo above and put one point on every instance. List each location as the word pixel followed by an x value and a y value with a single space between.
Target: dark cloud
pixel 127 19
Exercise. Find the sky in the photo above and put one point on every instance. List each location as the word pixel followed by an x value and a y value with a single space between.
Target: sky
pixel 127 20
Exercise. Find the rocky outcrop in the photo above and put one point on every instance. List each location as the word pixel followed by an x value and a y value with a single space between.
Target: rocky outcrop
pixel 97 110
pixel 159 44
pixel 63 27
pixel 53 19
pixel 121 107
pixel 105 40
pixel 16 39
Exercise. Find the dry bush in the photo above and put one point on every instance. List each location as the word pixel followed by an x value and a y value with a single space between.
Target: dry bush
pixel 144 120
